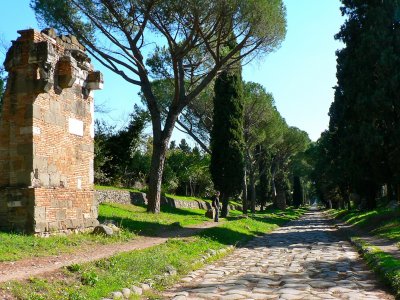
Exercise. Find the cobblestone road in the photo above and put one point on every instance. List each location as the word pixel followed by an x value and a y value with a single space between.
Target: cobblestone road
pixel 303 260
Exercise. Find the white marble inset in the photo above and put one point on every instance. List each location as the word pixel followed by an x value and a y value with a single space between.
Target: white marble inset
pixel 75 126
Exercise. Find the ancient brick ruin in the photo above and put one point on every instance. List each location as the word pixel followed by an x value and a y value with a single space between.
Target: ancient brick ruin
pixel 46 135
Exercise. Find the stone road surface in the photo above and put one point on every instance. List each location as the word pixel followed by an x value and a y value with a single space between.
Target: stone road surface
pixel 304 260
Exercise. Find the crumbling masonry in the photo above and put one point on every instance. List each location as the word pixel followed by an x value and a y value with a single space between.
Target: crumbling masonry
pixel 46 135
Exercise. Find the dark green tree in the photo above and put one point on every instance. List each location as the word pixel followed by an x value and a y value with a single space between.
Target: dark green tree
pixel 184 146
pixel 118 158
pixel 227 147
pixel 297 192
pixel 364 117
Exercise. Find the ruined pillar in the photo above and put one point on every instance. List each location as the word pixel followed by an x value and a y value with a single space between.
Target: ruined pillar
pixel 46 135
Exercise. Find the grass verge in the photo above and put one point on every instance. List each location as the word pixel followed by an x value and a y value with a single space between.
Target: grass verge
pixel 384 265
pixel 383 222
pixel 98 279
pixel 134 221
pixel 113 188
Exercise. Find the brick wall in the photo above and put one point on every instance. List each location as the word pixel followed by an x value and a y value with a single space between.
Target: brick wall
pixel 46 135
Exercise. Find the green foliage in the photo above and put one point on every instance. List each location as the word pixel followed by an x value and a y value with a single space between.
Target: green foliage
pixel 74 268
pixel 187 171
pixel 133 220
pixel 385 265
pixel 121 157
pixel 384 222
pixel 227 144
pixel 89 278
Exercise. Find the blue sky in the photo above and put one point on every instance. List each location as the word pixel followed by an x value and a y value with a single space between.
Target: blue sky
pixel 300 75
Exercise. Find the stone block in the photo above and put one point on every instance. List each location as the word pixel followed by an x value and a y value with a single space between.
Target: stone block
pixel 36 112
pixel 78 108
pixel 75 126
pixel 66 72
pixel 77 223
pixel 95 81
pixel 44 179
pixel 69 224
pixel 40 163
pixel 53 226
pixel 61 214
pixel 16 203
pixel 55 107
pixel 51 32
pixel 210 213
pixel 40 213
pixel 54 179
pixel 22 178
pixel 40 227
pixel 91 222
pixel 87 147
pixel 25 150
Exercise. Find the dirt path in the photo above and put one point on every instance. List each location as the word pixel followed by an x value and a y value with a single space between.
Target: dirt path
pixel 23 269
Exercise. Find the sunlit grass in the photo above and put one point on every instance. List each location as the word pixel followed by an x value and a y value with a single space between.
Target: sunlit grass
pixel 98 279
pixel 113 188
pixel 385 265
pixel 384 222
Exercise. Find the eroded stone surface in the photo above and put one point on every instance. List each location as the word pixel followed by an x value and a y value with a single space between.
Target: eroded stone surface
pixel 303 260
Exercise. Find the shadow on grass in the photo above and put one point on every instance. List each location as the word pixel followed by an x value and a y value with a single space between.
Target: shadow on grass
pixel 142 228
pixel 145 224
pixel 225 236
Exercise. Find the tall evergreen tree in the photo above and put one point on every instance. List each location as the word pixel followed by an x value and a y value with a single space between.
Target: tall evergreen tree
pixel 297 192
pixel 364 115
pixel 227 161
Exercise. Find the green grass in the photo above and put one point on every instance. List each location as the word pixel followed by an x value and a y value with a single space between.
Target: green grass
pixel 113 188
pixel 137 220
pixel 385 265
pixel 186 198
pixel 14 246
pixel 98 279
pixel 383 222
pixel 134 221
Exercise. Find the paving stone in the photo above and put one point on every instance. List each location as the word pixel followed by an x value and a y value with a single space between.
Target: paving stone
pixel 297 286
pixel 205 290
pixel 320 284
pixel 291 291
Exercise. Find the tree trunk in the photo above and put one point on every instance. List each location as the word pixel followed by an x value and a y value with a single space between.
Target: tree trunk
pixel 253 192
pixel 244 193
pixel 398 193
pixel 370 195
pixel 156 173
pixel 225 202
pixel 281 200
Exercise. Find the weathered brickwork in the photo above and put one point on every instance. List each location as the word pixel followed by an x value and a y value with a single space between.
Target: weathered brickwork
pixel 46 135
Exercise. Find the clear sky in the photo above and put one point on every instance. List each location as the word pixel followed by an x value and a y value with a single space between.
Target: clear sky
pixel 300 74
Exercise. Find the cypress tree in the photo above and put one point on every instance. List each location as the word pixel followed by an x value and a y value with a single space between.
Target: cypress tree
pixel 227 159
pixel 297 192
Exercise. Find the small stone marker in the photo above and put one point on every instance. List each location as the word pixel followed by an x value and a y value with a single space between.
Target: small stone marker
pixel 103 229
